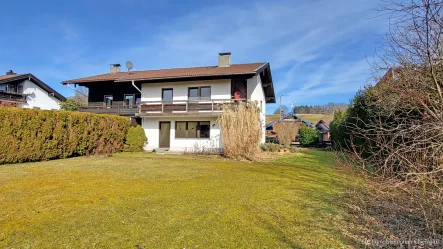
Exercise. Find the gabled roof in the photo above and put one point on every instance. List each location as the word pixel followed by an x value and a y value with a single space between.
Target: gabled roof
pixel 288 116
pixel 190 73
pixel 18 77
pixel 323 125
pixel 173 73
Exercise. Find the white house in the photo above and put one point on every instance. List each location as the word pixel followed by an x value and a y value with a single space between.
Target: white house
pixel 178 108
pixel 27 91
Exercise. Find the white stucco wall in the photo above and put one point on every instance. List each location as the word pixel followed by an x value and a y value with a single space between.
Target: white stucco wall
pixel 151 127
pixel 255 93
pixel 37 97
pixel 220 89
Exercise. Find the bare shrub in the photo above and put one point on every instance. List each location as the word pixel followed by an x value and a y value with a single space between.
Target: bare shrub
pixel 396 127
pixel 286 132
pixel 241 130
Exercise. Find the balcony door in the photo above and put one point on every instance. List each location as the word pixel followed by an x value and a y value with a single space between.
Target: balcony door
pixel 108 101
pixel 129 100
pixel 165 134
pixel 167 95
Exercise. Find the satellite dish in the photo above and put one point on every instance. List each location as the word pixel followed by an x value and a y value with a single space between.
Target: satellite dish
pixel 129 65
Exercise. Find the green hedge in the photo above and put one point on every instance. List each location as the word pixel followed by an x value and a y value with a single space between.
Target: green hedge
pixel 34 135
pixel 308 136
pixel 135 139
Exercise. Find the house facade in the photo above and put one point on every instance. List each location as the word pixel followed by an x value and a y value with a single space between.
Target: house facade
pixel 27 91
pixel 178 108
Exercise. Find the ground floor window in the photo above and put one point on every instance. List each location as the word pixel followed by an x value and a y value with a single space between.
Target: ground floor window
pixel 192 129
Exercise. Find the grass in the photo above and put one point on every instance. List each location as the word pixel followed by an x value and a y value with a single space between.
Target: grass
pixel 313 118
pixel 138 200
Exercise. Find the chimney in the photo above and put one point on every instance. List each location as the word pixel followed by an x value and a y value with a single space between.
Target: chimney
pixel 115 68
pixel 224 59
pixel 10 72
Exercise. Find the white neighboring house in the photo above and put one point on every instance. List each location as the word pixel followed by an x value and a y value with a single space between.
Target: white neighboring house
pixel 27 91
pixel 178 108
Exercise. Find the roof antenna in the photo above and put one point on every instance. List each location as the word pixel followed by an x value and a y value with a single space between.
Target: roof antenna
pixel 129 65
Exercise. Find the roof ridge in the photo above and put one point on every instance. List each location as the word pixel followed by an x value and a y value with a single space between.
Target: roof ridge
pixel 214 66
pixel 163 72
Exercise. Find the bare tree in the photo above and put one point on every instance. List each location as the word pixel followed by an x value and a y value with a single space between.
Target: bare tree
pixel 286 131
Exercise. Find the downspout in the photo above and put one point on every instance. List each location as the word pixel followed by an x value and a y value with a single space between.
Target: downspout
pixel 138 89
pixel 141 96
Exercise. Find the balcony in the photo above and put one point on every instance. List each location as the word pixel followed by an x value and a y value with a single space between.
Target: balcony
pixel 184 107
pixel 12 97
pixel 122 110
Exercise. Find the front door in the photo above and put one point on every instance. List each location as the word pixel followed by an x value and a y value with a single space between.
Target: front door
pixel 165 134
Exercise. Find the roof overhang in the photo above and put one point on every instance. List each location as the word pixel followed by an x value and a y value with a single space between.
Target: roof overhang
pixel 264 71
pixel 36 81
pixel 268 86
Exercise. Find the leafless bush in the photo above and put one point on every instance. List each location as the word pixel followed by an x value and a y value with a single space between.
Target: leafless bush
pixel 203 150
pixel 286 132
pixel 241 130
pixel 398 127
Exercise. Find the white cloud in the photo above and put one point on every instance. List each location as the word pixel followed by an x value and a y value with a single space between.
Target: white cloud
pixel 306 43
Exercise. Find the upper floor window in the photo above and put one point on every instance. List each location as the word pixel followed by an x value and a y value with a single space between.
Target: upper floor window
pixel 108 100
pixel 8 88
pixel 167 95
pixel 20 89
pixel 129 99
pixel 198 93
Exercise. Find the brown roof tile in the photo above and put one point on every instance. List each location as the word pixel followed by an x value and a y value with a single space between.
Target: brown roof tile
pixel 172 73
pixel 4 77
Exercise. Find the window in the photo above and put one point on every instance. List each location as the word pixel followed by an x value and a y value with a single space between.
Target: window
pixel 193 93
pixel 20 89
pixel 11 88
pixel 3 87
pixel 205 92
pixel 180 129
pixel 198 93
pixel 192 129
pixel 167 95
pixel 128 99
pixel 204 128
pixel 108 100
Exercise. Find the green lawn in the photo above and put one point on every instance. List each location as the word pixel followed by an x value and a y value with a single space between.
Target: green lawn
pixel 171 201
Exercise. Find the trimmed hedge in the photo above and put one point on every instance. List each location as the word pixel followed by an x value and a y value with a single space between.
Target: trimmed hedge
pixel 34 135
pixel 135 139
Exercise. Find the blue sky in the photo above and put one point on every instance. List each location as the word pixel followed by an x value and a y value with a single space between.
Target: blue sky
pixel 318 49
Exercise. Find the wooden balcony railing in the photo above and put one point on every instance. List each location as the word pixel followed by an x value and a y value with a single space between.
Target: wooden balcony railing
pixel 152 108
pixel 12 97
pixel 124 110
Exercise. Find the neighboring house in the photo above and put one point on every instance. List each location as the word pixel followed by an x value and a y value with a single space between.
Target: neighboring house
pixel 272 136
pixel 178 107
pixel 324 132
pixel 27 91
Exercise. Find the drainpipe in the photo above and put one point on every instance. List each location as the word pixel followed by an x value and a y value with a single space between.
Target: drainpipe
pixel 133 84
pixel 141 96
